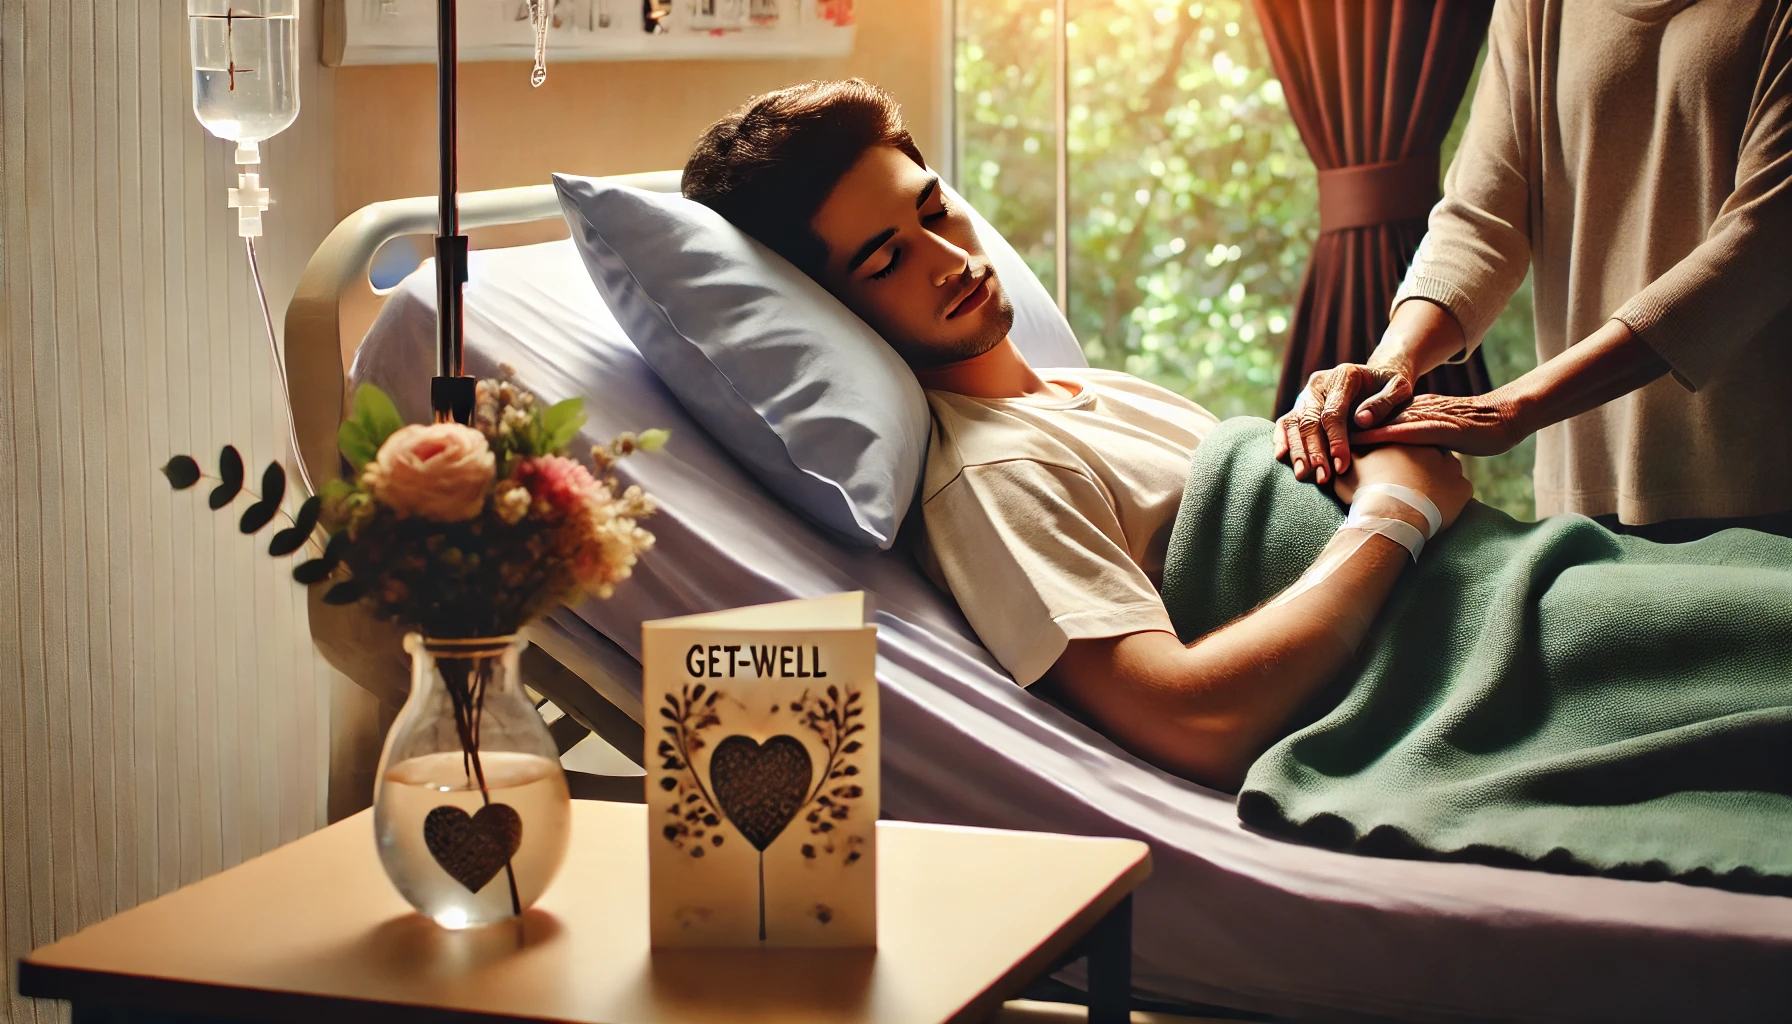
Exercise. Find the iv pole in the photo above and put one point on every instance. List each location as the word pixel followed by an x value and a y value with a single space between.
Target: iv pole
pixel 451 391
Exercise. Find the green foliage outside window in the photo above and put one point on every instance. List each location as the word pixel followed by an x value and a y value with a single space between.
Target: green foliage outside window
pixel 1193 203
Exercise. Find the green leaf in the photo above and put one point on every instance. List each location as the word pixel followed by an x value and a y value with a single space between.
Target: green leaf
pixel 376 414
pixel 560 423
pixel 355 444
pixel 273 484
pixel 653 440
pixel 230 475
pixel 182 472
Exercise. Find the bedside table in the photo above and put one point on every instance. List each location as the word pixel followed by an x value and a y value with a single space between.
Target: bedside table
pixel 314 931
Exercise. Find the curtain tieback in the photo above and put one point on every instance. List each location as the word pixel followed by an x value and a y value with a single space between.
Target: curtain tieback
pixel 1370 194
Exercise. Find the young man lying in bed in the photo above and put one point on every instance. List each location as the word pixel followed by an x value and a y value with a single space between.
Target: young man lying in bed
pixel 1528 688
pixel 1048 500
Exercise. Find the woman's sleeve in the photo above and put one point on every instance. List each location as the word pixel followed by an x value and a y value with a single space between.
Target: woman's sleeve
pixel 1478 246
pixel 1739 280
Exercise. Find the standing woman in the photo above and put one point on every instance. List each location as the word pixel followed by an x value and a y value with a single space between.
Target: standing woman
pixel 1637 155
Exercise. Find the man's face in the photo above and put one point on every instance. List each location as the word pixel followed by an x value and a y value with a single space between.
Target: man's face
pixel 909 264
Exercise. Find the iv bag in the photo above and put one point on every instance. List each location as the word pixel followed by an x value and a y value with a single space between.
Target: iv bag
pixel 245 66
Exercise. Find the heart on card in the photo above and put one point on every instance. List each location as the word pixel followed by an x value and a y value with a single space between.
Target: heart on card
pixel 472 849
pixel 760 787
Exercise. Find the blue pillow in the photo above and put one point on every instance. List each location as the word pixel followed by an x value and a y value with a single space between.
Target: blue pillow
pixel 791 382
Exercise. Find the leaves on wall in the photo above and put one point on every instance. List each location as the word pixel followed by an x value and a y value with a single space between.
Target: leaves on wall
pixel 293 537
pixel 318 569
pixel 273 492
pixel 230 477
pixel 314 570
pixel 182 472
pixel 346 592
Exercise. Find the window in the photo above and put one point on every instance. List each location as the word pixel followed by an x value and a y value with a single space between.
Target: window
pixel 1163 143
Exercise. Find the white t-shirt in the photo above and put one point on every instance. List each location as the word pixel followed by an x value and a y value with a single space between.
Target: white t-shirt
pixel 1048 518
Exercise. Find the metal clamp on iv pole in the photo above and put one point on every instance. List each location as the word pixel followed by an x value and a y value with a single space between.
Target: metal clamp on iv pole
pixel 451 391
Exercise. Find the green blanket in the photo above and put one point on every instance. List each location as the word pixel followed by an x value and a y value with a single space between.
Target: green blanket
pixel 1544 694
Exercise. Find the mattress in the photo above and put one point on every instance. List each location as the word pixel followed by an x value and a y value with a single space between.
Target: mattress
pixel 1228 917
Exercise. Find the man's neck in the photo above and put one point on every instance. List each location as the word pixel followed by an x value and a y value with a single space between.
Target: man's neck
pixel 1000 372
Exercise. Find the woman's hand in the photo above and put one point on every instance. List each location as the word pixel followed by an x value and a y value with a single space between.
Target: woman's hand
pixel 1432 472
pixel 1315 434
pixel 1610 362
pixel 1481 425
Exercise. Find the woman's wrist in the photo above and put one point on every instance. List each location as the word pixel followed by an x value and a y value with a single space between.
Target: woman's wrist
pixel 1422 336
pixel 1609 363
pixel 1520 406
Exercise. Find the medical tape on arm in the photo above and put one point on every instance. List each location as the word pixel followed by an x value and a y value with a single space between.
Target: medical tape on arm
pixel 1399 531
pixel 1355 624
pixel 1434 520
pixel 1364 521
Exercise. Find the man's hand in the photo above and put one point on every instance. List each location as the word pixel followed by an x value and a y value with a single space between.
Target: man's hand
pixel 1315 434
pixel 1432 472
pixel 1481 425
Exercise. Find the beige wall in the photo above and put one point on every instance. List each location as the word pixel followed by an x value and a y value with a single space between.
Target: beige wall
pixel 162 713
pixel 605 118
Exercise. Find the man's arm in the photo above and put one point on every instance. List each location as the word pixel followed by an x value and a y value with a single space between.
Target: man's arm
pixel 1207 711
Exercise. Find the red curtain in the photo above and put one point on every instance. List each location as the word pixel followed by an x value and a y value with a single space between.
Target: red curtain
pixel 1373 86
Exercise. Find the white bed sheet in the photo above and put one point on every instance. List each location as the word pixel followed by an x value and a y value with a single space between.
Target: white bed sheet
pixel 1229 917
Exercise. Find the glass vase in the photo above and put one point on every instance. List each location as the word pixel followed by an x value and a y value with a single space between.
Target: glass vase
pixel 470 810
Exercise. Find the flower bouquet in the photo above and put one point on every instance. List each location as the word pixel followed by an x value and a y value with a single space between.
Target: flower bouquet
pixel 463 534
pixel 474 531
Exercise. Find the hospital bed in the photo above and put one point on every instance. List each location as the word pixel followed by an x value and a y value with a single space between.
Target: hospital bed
pixel 1229 918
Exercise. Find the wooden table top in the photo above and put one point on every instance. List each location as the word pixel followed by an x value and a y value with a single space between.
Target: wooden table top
pixel 966 917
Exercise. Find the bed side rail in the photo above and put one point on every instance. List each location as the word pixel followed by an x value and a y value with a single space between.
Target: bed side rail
pixel 335 301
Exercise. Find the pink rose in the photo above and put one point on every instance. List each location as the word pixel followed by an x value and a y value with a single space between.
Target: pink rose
pixel 566 486
pixel 439 472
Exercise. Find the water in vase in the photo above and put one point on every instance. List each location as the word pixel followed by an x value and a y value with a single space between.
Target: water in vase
pixel 458 875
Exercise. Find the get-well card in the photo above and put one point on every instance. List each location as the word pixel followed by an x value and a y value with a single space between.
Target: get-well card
pixel 762 768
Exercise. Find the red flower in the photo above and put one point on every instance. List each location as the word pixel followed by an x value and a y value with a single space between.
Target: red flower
pixel 565 486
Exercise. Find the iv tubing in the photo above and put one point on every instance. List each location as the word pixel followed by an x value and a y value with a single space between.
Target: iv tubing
pixel 267 318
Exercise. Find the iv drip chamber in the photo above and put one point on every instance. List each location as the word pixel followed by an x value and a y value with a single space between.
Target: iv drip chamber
pixel 245 68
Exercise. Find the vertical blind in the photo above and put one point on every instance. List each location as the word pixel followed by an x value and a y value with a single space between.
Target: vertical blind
pixel 162 712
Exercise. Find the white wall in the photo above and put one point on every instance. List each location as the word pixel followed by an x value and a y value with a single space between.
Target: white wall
pixel 162 713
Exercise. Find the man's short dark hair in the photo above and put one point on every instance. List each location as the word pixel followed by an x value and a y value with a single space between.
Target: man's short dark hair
pixel 769 166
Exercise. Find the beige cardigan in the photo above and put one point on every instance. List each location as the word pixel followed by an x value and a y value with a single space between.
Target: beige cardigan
pixel 1638 155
